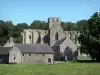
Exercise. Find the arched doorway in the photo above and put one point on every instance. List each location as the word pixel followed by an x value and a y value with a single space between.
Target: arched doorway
pixel 49 60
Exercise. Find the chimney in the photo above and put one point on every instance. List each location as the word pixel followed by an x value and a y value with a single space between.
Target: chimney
pixel 10 39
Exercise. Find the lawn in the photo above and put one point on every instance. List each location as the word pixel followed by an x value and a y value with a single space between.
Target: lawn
pixel 55 69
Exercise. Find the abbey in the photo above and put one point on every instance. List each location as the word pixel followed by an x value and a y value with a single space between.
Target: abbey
pixel 64 43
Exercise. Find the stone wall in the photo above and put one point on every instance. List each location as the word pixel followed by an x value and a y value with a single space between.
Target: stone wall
pixel 14 55
pixel 37 58
pixel 34 36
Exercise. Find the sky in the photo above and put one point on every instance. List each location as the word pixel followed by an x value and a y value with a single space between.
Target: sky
pixel 26 11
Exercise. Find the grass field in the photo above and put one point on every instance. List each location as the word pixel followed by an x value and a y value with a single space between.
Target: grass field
pixel 55 69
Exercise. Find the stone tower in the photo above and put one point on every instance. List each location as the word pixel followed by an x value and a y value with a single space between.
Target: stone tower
pixel 56 31
pixel 53 21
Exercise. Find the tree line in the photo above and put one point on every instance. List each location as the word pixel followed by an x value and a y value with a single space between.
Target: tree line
pixel 89 32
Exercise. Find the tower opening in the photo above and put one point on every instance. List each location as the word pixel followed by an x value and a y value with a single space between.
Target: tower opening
pixel 56 36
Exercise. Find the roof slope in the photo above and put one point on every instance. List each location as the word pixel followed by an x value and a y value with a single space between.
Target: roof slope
pixel 59 42
pixel 69 43
pixel 5 50
pixel 34 48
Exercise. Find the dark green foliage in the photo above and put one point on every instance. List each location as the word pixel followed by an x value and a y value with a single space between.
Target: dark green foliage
pixel 17 31
pixel 82 25
pixel 39 25
pixel 90 36
pixel 6 29
pixel 68 26
pixel 19 28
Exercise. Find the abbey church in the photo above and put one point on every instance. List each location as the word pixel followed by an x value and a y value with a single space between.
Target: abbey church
pixel 42 46
pixel 64 43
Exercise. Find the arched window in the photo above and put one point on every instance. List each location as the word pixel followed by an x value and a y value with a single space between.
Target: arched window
pixel 49 60
pixel 56 36
pixel 57 20
pixel 14 58
pixel 29 36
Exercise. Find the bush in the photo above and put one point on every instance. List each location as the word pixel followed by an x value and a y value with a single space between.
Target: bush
pixel 12 63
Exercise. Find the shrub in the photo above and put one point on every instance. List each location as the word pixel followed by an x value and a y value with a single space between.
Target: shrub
pixel 12 63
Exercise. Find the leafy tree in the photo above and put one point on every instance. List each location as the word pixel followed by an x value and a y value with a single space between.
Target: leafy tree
pixel 39 25
pixel 68 26
pixel 81 25
pixel 17 31
pixel 5 31
pixel 90 37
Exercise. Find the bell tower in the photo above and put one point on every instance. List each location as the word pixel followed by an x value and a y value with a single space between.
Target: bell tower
pixel 53 21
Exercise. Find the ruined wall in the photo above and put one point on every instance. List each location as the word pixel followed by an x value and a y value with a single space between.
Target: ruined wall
pixel 27 36
pixel 73 35
pixel 34 36
pixel 43 36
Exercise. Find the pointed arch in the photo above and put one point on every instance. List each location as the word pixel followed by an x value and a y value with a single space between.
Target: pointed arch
pixel 56 36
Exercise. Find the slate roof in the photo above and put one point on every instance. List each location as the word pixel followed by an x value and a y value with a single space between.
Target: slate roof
pixel 59 42
pixel 34 48
pixel 5 50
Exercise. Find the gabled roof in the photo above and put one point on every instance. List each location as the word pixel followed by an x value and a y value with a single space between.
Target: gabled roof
pixel 34 48
pixel 59 42
pixel 9 43
pixel 5 50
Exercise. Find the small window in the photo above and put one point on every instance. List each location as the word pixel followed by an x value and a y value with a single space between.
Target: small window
pixel 29 36
pixel 29 54
pixel 43 54
pixel 14 58
pixel 57 20
pixel 70 37
pixel 56 36
pixel 23 54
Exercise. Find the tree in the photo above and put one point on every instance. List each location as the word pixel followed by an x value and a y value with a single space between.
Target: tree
pixel 17 31
pixel 39 25
pixel 68 26
pixel 81 25
pixel 6 29
pixel 90 37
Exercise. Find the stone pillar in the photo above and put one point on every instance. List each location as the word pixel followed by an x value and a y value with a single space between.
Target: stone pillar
pixel 41 38
pixel 78 50
pixel 23 37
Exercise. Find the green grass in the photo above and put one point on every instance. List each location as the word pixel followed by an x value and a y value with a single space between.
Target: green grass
pixel 55 69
